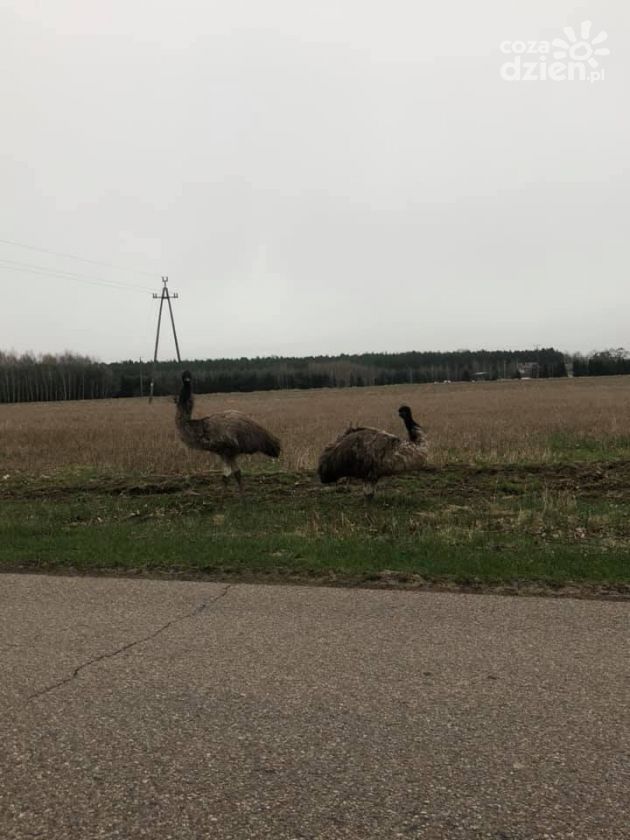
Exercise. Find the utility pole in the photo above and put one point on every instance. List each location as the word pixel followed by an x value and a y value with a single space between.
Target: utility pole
pixel 163 296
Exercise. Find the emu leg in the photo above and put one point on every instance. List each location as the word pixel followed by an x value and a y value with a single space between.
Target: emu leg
pixel 231 470
pixel 228 469
pixel 368 490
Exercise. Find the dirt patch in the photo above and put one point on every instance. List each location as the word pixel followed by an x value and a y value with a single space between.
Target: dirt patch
pixel 602 479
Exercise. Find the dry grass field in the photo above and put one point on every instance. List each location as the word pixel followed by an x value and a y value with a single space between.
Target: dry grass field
pixel 528 485
pixel 537 421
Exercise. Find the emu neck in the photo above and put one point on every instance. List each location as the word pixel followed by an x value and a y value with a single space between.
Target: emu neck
pixel 185 403
pixel 413 430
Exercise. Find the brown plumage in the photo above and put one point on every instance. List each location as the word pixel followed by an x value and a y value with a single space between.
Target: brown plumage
pixel 370 454
pixel 226 433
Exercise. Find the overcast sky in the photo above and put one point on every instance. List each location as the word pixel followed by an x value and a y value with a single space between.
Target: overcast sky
pixel 315 176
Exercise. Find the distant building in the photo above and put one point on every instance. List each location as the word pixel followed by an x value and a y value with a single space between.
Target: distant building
pixel 528 370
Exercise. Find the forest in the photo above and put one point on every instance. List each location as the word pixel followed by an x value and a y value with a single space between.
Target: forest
pixel 29 378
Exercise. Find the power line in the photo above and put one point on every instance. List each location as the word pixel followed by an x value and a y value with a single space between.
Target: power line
pixel 42 271
pixel 75 257
pixel 31 268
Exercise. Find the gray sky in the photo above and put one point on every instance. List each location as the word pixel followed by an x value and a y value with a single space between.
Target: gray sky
pixel 314 177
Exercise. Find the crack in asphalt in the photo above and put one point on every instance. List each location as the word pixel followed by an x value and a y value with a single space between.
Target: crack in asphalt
pixel 199 609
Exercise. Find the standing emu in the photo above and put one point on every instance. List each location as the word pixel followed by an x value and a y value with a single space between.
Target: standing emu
pixel 370 454
pixel 227 433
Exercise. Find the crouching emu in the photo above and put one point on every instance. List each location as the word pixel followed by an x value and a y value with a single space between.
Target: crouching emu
pixel 370 454
pixel 226 433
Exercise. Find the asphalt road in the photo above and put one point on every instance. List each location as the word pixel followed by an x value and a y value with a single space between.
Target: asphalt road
pixel 178 710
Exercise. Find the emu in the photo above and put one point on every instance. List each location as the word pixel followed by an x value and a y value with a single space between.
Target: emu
pixel 227 433
pixel 371 454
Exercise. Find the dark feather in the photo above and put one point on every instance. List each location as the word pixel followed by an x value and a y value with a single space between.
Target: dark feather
pixel 358 453
pixel 227 433
pixel 370 454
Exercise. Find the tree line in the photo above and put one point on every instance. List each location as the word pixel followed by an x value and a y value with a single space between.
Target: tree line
pixel 613 362
pixel 28 378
